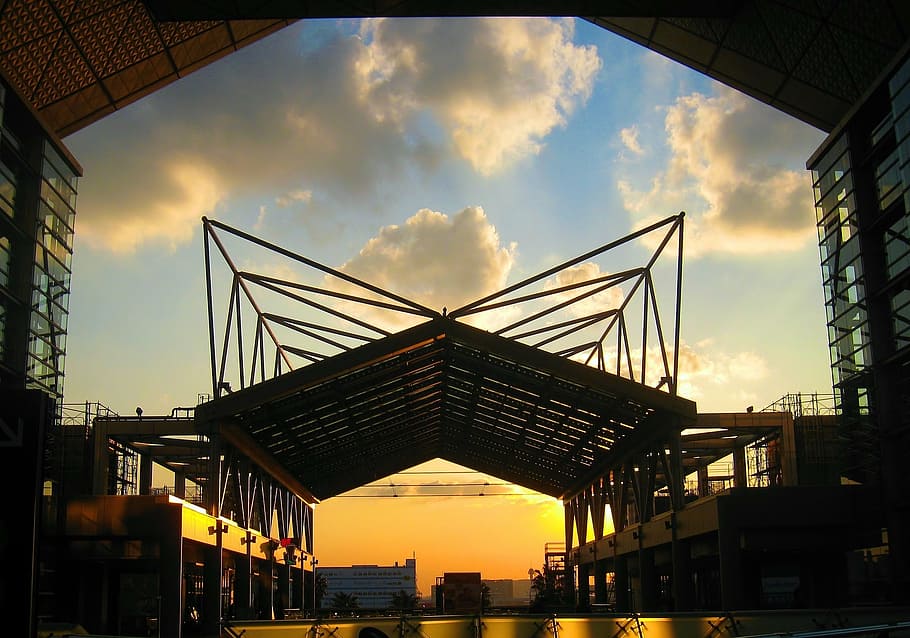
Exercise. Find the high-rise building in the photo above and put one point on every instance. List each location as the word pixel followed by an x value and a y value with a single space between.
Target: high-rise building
pixel 38 179
pixel 861 178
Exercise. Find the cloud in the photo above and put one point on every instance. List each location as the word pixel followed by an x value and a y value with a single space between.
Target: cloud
pixel 608 299
pixel 434 259
pixel 498 87
pixel 292 197
pixel 735 166
pixel 341 121
pixel 186 191
pixel 629 138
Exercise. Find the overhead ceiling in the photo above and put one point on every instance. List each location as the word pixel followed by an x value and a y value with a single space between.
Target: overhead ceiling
pixel 77 61
pixel 447 390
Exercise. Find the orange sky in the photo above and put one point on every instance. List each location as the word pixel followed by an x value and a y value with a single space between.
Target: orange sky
pixel 499 536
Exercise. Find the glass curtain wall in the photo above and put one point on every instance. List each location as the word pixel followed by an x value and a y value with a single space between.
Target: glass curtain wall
pixel 37 210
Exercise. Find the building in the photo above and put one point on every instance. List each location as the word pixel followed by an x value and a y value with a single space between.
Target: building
pixel 763 526
pixel 459 593
pixel 861 178
pixel 374 586
pixel 220 541
pixel 840 66
pixel 38 180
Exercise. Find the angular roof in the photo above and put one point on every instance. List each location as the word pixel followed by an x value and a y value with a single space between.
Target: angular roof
pixel 444 389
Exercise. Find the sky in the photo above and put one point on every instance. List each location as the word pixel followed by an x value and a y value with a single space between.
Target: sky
pixel 443 160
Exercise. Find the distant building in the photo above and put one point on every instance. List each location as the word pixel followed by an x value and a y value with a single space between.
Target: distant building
pixel 459 593
pixel 373 585
pixel 506 592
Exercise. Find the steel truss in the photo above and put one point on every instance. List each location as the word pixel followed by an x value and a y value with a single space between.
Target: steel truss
pixel 554 316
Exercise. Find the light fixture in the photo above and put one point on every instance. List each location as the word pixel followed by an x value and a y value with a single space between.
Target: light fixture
pixel 250 538
pixel 668 524
pixel 219 526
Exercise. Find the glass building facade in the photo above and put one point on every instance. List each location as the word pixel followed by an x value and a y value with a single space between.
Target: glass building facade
pixel 38 181
pixel 861 177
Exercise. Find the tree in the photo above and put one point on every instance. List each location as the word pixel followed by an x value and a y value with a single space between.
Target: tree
pixel 548 586
pixel 344 601
pixel 486 599
pixel 321 585
pixel 403 601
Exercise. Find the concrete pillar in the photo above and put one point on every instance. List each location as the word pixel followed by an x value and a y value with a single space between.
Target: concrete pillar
pixel 647 578
pixel 704 486
pixel 282 596
pixel 622 583
pixel 600 582
pixel 179 484
pixel 243 594
pixel 731 568
pixel 683 587
pixel 145 474
pixel 170 586
pixel 211 583
pixel 740 470
pixel 584 587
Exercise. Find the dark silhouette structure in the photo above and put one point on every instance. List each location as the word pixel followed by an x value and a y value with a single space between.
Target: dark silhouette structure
pixel 840 66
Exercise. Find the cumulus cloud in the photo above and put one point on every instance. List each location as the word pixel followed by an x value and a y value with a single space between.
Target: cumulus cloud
pixel 497 86
pixel 342 121
pixel 735 166
pixel 436 260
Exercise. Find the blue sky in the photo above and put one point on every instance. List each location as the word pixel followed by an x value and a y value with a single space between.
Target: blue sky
pixel 538 139
pixel 564 134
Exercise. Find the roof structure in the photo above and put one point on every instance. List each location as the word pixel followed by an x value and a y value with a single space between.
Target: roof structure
pixel 541 400
pixel 446 390
pixel 78 61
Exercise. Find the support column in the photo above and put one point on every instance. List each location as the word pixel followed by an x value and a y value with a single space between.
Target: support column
pixel 211 583
pixel 683 588
pixel 704 486
pixel 145 474
pixel 647 579
pixel 170 586
pixel 584 587
pixel 622 583
pixel 600 582
pixel 731 568
pixel 281 597
pixel 739 467
pixel 243 594
pixel 180 484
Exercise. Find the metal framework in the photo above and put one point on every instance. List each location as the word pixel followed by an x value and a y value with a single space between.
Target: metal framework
pixel 328 390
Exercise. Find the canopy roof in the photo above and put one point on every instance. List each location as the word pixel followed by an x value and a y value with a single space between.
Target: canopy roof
pixel 444 389
pixel 78 61
pixel 574 369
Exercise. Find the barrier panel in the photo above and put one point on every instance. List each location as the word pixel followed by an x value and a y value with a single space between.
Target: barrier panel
pixel 871 622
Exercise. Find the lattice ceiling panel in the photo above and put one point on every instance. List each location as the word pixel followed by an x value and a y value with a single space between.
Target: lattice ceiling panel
pixel 78 61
